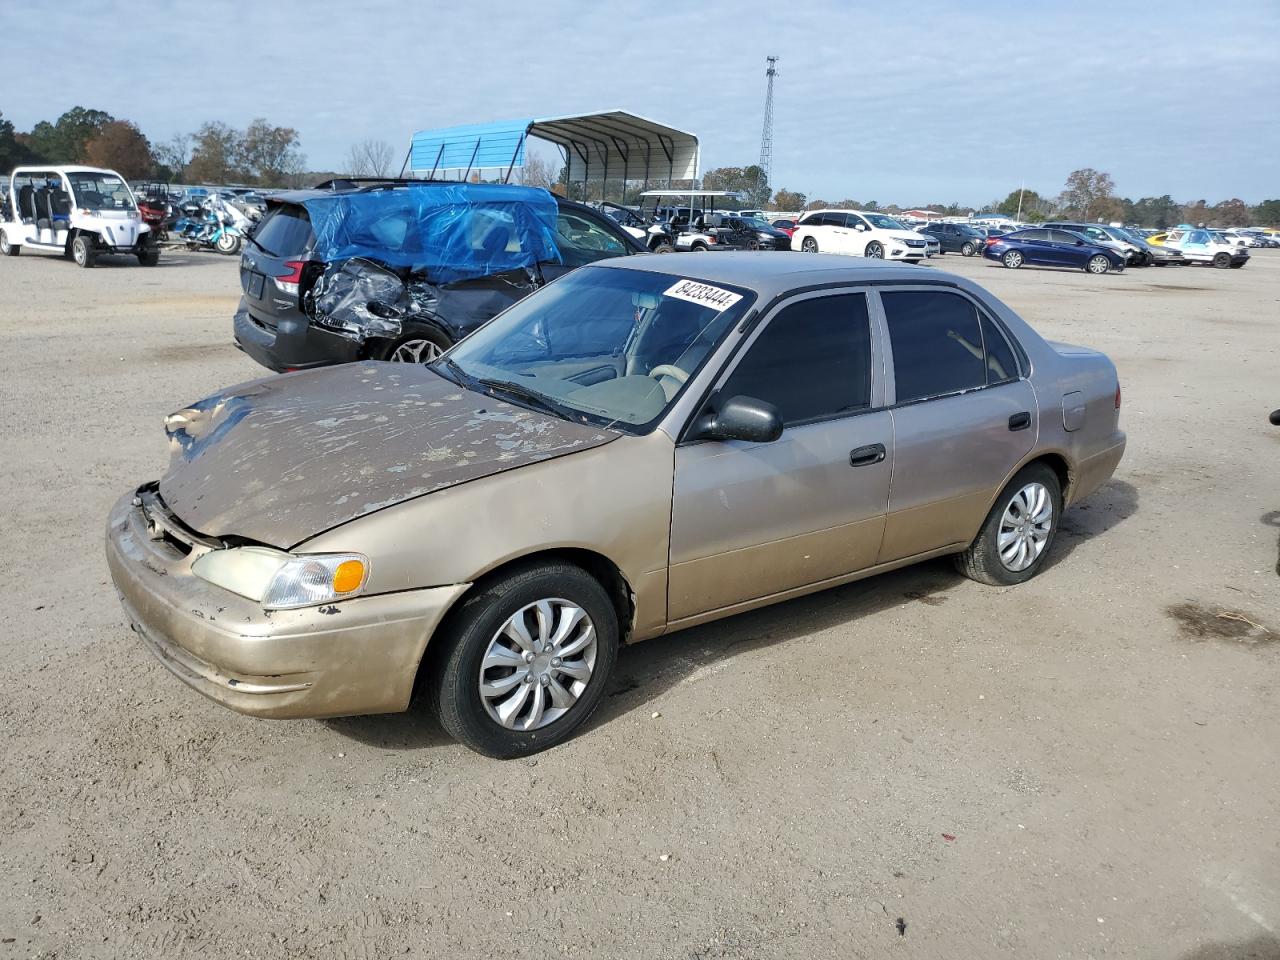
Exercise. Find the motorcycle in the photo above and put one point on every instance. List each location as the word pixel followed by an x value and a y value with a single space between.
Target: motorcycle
pixel 215 225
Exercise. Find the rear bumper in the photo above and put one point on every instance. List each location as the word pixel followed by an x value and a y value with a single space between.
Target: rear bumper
pixel 295 343
pixel 354 657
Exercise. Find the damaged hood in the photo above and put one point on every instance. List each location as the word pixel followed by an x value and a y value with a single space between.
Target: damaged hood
pixel 283 459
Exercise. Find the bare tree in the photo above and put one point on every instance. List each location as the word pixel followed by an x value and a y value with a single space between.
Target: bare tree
pixel 1088 194
pixel 538 172
pixel 370 158
pixel 175 154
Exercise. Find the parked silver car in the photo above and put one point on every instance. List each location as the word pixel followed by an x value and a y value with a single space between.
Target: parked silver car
pixel 645 444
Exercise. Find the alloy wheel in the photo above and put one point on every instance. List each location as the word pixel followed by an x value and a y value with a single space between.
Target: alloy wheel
pixel 538 664
pixel 419 350
pixel 810 245
pixel 1013 259
pixel 1099 264
pixel 874 251
pixel 1025 527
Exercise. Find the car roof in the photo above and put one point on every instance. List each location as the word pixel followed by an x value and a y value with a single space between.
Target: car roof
pixel 769 273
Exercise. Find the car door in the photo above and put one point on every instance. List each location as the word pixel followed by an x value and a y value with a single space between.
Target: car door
pixel 1035 247
pixel 963 417
pixel 750 520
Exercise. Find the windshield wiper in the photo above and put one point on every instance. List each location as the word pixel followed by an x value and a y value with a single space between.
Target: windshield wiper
pixel 530 396
pixel 454 372
pixel 269 253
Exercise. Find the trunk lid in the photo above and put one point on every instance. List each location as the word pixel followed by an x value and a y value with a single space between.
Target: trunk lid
pixel 282 459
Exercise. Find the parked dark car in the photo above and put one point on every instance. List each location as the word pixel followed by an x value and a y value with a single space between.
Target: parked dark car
pixel 754 234
pixel 1052 248
pixel 956 238
pixel 786 226
pixel 301 309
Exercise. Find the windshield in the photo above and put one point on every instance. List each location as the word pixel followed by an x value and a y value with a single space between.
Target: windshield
pixel 755 223
pixel 605 345
pixel 882 222
pixel 100 191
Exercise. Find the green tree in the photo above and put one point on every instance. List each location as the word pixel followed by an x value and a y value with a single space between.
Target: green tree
pixel 12 151
pixel 120 146
pixel 1160 212
pixel 65 140
pixel 744 180
pixel 269 154
pixel 1267 213
pixel 1087 194
pixel 215 154
pixel 1231 213
pixel 1018 202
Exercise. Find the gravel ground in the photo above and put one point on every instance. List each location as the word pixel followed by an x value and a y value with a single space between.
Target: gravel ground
pixel 1083 766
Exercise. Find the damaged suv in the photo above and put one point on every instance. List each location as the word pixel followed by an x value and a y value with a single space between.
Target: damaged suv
pixel 401 270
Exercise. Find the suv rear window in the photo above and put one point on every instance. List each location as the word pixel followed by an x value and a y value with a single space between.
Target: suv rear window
pixel 285 231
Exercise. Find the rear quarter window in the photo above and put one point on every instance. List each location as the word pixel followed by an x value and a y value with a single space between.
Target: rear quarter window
pixel 285 231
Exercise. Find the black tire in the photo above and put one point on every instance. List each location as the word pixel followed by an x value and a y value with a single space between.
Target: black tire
pixel 149 257
pixel 1222 260
pixel 982 560
pixel 1013 259
pixel 1098 264
pixel 874 250
pixel 698 248
pixel 809 245
pixel 968 249
pixel 664 248
pixel 402 350
pixel 1237 264
pixel 457 653
pixel 9 249
pixel 82 251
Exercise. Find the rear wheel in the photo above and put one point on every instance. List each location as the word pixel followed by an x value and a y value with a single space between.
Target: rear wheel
pixel 8 249
pixel 1012 259
pixel 875 250
pixel 149 257
pixel 82 251
pixel 418 347
pixel 698 248
pixel 1098 264
pixel 1222 260
pixel 664 248
pixel 968 249
pixel 523 661
pixel 1015 538
pixel 809 245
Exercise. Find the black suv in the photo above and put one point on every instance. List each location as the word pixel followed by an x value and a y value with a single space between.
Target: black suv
pixel 956 238
pixel 278 323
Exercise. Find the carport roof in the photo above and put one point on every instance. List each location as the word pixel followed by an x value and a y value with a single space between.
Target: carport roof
pixel 596 146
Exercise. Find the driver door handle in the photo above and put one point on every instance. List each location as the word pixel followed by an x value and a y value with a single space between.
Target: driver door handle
pixel 866 456
pixel 1020 421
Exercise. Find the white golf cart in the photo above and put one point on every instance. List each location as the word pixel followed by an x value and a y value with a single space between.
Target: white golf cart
pixel 697 226
pixel 77 212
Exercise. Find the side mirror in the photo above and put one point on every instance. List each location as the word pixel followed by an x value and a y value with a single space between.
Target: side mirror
pixel 740 418
pixel 1079 243
pixel 861 226
pixel 1275 418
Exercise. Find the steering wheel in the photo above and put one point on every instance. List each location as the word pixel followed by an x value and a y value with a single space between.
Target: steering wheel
pixel 669 370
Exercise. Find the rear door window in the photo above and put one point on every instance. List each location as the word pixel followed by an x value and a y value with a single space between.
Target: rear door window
pixel 813 360
pixel 285 231
pixel 936 338
pixel 582 241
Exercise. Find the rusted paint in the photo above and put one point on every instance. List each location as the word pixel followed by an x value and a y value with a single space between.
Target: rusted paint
pixel 282 459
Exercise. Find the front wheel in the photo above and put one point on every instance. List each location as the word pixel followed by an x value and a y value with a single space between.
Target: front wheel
pixel 1222 260
pixel 149 257
pixel 875 250
pixel 809 245
pixel 1015 538
pixel 82 251
pixel 1236 265
pixel 522 663
pixel 8 249
pixel 1012 259
pixel 1098 264
pixel 423 347
pixel 228 244
pixel 968 249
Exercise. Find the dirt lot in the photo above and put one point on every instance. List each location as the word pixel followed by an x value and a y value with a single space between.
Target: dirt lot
pixel 1084 766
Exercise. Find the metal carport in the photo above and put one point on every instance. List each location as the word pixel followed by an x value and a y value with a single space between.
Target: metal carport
pixel 595 146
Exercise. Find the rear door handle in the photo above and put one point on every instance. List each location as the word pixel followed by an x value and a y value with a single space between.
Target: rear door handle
pixel 1020 421
pixel 865 456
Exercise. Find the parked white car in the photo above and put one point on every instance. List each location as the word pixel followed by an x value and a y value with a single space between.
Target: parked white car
pixel 77 212
pixel 1239 239
pixel 1208 247
pixel 858 233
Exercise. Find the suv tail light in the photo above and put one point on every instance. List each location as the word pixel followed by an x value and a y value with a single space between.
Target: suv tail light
pixel 1117 396
pixel 288 282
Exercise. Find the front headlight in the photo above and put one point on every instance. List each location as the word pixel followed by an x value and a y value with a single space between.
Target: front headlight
pixel 284 581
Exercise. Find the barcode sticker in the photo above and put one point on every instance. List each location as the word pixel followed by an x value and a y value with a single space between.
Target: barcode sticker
pixel 703 294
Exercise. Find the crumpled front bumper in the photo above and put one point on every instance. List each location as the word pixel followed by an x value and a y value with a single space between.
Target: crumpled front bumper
pixel 354 657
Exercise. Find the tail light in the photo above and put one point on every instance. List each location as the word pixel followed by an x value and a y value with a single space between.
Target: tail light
pixel 288 282
pixel 711 239
pixel 991 240
pixel 1117 396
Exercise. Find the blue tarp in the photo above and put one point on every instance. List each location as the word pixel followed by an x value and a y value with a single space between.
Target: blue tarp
pixel 443 231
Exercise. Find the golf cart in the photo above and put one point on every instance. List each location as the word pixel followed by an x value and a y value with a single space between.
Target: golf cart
pixel 696 226
pixel 78 212
pixel 654 235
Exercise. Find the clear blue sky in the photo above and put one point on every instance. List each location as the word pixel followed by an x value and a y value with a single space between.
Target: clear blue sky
pixel 894 103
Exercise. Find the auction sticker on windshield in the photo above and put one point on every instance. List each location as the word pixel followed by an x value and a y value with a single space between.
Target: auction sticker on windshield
pixel 703 294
